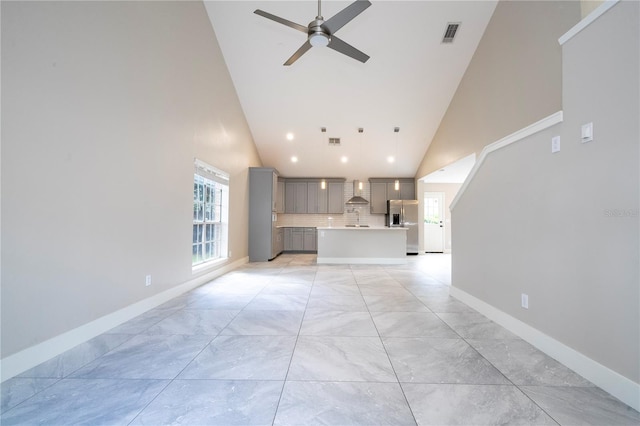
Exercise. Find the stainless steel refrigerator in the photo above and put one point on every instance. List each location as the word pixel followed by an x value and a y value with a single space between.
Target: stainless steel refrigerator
pixel 404 214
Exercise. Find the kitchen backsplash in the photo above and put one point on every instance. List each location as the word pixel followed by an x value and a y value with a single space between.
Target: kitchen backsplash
pixel 349 217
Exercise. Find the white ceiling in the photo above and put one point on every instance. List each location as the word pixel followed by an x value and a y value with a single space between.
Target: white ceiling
pixel 455 172
pixel 408 82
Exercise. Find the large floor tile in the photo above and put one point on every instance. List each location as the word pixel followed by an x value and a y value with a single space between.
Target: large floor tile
pixel 146 357
pixel 278 302
pixel 142 322
pixel 353 359
pixel 243 358
pixel 287 288
pixel 17 390
pixel 434 404
pixel 213 402
pixel 71 360
pixel 435 360
pixel 194 321
pixel 445 304
pixel 472 325
pixel 387 303
pixel 337 303
pixel 334 290
pixel 384 290
pixel 331 403
pixel 582 405
pixel 273 323
pixel 86 402
pixel 523 364
pixel 222 301
pixel 338 323
pixel 411 324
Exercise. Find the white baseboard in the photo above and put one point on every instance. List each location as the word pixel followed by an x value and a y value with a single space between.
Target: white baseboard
pixel 37 354
pixel 616 384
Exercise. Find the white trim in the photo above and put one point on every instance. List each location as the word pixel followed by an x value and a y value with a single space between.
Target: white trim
pixel 616 384
pixel 362 260
pixel 536 127
pixel 588 20
pixel 37 354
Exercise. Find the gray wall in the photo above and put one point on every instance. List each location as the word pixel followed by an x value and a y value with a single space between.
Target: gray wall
pixel 104 107
pixel 513 80
pixel 568 222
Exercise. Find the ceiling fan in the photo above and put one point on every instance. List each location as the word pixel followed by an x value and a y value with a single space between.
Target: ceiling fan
pixel 322 33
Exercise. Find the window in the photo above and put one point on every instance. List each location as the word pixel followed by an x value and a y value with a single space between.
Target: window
pixel 210 214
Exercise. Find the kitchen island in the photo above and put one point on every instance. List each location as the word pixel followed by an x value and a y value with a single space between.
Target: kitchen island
pixel 362 245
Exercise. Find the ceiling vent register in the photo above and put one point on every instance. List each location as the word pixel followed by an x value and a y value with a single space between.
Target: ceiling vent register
pixel 334 141
pixel 450 32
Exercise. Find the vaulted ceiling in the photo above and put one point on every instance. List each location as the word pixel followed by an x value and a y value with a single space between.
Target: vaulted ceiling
pixel 408 82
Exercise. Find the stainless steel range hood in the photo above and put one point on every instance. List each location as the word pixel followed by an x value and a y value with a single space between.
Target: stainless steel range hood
pixel 357 198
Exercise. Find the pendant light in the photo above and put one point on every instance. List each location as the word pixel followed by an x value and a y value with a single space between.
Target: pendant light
pixel 396 185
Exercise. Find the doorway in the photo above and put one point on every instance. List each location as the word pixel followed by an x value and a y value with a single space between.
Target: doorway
pixel 434 222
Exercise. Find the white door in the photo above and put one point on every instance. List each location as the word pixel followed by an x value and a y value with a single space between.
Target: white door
pixel 434 222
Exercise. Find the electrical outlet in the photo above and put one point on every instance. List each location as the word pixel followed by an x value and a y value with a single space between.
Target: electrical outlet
pixel 147 280
pixel 555 144
pixel 587 132
pixel 525 301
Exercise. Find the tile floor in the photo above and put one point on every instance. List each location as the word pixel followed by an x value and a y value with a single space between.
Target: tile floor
pixel 293 342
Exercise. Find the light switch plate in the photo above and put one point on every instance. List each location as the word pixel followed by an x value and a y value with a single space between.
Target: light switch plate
pixel 587 132
pixel 555 144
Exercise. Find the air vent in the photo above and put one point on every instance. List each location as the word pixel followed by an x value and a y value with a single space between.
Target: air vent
pixel 334 141
pixel 450 32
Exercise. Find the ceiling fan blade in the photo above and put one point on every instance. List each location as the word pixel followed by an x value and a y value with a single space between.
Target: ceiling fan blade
pixel 340 46
pixel 306 46
pixel 282 20
pixel 341 18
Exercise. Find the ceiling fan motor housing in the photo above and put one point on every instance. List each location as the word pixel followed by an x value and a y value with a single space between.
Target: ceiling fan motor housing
pixel 318 35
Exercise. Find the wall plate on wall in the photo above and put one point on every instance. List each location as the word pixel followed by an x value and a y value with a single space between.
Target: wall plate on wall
pixel 587 132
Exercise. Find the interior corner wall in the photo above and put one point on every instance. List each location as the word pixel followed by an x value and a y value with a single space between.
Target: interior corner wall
pixel 514 79
pixel 565 227
pixel 105 105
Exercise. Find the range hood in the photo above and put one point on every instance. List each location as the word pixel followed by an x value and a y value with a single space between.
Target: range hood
pixel 356 199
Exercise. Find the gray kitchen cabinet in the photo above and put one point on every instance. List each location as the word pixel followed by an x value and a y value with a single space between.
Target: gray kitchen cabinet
pixel 296 242
pixel 310 239
pixel 300 239
pixel 408 190
pixel 392 194
pixel 378 201
pixel 295 198
pixel 280 193
pixel 383 189
pixel 335 197
pixel 262 226
pixel 316 197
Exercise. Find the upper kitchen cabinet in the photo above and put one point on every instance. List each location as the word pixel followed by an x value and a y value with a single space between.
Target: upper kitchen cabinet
pixel 295 196
pixel 280 196
pixel 316 198
pixel 383 189
pixel 336 197
pixel 306 195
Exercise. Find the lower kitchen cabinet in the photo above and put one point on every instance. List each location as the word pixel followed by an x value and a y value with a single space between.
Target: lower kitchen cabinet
pixel 300 239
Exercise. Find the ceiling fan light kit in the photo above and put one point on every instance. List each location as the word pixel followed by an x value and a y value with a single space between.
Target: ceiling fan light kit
pixel 321 33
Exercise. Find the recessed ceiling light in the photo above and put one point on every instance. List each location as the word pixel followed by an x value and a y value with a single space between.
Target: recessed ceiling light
pixel 344 159
pixel 390 159
pixel 294 159
pixel 289 136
